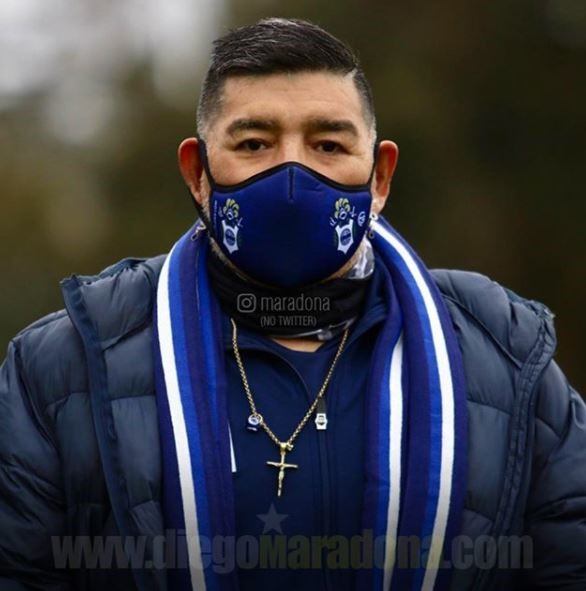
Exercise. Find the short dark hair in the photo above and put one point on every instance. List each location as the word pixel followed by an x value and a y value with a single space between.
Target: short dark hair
pixel 273 46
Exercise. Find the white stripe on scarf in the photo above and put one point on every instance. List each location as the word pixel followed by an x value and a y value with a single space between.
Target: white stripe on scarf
pixel 395 437
pixel 179 429
pixel 447 400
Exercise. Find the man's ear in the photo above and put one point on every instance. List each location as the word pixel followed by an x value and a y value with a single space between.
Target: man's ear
pixel 191 167
pixel 386 162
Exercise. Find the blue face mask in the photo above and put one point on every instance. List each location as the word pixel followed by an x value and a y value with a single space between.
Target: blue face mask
pixel 289 225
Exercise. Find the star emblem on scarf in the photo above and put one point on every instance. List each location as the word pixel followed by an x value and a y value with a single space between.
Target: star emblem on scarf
pixel 272 520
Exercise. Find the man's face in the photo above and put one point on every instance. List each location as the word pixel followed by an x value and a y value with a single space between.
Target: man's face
pixel 315 118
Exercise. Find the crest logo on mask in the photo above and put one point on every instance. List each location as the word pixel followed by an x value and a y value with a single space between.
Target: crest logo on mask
pixel 342 221
pixel 231 221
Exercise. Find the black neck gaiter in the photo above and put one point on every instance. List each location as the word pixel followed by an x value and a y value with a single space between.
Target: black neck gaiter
pixel 320 311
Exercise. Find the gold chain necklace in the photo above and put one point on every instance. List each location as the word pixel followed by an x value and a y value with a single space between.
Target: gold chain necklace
pixel 284 446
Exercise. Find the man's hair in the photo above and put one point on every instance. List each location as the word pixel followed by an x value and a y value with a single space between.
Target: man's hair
pixel 275 46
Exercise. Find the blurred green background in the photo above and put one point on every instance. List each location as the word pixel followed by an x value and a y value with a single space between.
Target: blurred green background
pixel 486 101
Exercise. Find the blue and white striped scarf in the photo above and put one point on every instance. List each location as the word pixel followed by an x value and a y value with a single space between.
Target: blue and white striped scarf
pixel 416 457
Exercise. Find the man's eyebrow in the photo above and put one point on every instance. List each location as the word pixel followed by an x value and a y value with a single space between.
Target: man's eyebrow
pixel 315 125
pixel 332 125
pixel 247 124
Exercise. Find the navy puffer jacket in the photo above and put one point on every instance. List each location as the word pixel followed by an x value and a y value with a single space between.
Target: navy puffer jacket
pixel 79 442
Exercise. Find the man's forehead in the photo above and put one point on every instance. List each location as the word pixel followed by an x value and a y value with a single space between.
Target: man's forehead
pixel 313 99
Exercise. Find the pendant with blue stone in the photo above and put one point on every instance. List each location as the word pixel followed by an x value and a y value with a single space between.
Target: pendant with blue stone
pixel 253 423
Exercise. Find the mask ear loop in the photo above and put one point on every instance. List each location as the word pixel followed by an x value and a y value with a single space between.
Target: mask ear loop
pixel 201 147
pixel 203 156
pixel 372 215
pixel 374 157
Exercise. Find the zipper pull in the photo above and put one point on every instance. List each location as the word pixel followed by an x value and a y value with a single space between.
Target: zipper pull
pixel 321 418
pixel 253 422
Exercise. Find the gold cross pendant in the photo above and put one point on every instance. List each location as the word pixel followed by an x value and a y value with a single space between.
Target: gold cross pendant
pixel 282 465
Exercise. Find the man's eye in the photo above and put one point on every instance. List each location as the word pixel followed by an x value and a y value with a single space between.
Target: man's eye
pixel 329 147
pixel 250 145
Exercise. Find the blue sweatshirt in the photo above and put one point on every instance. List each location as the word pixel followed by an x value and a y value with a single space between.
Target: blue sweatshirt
pixel 323 496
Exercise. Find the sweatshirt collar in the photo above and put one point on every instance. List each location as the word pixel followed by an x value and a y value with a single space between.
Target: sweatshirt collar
pixel 375 310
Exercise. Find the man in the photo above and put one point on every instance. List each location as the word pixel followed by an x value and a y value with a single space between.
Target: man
pixel 289 398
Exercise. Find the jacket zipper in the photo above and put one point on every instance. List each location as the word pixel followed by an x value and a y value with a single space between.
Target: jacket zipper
pixel 325 478
pixel 523 417
pixel 326 498
pixel 325 485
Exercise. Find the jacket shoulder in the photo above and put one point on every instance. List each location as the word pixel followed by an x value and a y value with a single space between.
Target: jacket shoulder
pixel 484 311
pixel 50 351
pixel 119 299
pixel 513 323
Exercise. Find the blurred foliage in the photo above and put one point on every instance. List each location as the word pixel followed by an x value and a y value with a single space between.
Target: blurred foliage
pixel 485 100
